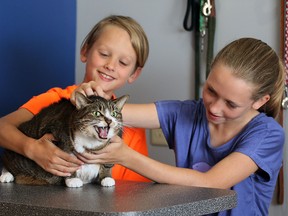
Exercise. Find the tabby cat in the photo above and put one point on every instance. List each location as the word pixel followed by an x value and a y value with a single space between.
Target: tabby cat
pixel 87 126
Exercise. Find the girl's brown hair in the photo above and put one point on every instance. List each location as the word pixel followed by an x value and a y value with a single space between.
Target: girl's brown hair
pixel 257 63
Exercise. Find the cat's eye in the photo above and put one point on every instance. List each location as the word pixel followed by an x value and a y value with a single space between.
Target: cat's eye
pixel 114 114
pixel 96 113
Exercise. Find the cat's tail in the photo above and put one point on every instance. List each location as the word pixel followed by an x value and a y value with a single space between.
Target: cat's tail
pixel 28 180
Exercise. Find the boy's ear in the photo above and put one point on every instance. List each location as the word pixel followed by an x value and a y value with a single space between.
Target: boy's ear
pixel 135 75
pixel 83 54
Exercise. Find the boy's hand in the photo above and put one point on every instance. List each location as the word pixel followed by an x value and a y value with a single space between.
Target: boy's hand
pixel 87 89
pixel 52 159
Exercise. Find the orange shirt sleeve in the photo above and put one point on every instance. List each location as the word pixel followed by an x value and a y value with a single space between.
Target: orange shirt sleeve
pixel 36 103
pixel 135 138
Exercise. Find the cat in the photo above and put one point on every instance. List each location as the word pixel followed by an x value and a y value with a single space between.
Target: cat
pixel 87 126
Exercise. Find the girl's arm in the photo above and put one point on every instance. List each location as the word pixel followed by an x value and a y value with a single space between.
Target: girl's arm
pixel 140 115
pixel 227 173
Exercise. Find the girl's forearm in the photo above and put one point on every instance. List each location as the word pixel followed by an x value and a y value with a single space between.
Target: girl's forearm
pixel 163 173
pixel 140 115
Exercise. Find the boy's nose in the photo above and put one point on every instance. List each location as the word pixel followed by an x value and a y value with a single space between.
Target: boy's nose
pixel 110 65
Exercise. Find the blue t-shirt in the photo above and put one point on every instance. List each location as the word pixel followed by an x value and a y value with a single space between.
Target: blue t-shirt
pixel 185 127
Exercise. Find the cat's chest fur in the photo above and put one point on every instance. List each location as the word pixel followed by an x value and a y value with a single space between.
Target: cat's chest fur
pixel 88 126
pixel 81 143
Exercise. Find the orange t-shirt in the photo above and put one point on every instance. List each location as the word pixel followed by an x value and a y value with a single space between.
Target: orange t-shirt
pixel 135 138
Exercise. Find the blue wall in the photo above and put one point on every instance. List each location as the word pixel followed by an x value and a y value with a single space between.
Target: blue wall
pixel 37 48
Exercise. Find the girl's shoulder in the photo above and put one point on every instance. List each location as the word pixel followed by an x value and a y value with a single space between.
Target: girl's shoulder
pixel 262 131
pixel 264 122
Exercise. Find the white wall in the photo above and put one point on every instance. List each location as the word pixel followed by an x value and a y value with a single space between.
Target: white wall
pixel 169 71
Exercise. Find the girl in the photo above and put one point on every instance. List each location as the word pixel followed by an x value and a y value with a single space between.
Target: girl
pixel 228 139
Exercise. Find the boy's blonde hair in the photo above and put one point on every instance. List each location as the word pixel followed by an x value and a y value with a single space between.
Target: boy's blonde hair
pixel 137 35
pixel 257 63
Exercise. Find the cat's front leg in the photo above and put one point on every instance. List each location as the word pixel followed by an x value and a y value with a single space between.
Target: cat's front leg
pixel 107 182
pixel 73 182
pixel 105 175
pixel 6 176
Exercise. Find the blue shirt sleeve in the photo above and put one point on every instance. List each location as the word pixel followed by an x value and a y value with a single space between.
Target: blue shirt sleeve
pixel 263 140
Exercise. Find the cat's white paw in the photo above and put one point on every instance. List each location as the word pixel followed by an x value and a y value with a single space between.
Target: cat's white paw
pixel 108 182
pixel 6 177
pixel 73 182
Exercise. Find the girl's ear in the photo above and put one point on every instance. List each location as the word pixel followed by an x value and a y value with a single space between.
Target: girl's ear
pixel 259 103
pixel 83 53
pixel 135 75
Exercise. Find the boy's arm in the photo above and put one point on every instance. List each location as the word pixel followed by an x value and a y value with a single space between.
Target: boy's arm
pixel 42 151
pixel 10 137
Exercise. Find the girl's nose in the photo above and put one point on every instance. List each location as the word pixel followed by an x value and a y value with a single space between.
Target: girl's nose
pixel 215 106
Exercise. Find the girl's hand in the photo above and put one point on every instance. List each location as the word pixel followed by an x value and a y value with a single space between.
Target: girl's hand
pixel 52 159
pixel 87 89
pixel 113 153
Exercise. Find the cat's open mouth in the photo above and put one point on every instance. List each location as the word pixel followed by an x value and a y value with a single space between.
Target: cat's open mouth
pixel 102 132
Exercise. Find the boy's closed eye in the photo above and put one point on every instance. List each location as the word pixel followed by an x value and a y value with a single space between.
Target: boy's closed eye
pixel 103 54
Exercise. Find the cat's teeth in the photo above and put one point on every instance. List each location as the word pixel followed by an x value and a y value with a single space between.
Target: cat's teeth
pixel 103 132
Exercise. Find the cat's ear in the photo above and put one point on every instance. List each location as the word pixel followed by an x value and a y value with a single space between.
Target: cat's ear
pixel 80 100
pixel 121 101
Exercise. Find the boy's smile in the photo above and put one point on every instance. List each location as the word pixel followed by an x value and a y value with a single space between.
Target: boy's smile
pixel 111 60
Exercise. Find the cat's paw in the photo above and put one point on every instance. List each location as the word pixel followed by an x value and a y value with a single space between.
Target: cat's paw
pixel 6 177
pixel 108 182
pixel 73 182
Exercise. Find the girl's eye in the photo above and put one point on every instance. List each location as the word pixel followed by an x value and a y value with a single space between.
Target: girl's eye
pixel 96 113
pixel 114 114
pixel 231 105
pixel 211 91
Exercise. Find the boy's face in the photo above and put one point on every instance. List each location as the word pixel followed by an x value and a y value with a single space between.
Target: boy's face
pixel 111 60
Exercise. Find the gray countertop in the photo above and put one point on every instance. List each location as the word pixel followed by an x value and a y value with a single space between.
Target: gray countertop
pixel 126 198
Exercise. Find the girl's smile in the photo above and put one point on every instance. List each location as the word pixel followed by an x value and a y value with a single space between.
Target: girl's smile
pixel 227 98
pixel 213 118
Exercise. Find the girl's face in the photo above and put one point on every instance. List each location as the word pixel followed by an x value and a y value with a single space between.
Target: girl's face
pixel 111 60
pixel 227 99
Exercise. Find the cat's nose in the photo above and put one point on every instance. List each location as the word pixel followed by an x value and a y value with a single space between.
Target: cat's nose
pixel 108 121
